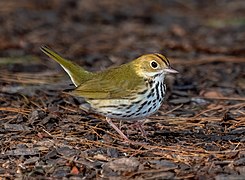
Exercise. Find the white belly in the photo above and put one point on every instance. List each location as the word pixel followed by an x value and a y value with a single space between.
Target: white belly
pixel 143 106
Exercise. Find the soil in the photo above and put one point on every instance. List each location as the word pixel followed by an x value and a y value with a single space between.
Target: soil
pixel 198 133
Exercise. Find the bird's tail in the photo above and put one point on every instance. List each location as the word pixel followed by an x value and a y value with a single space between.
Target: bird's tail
pixel 76 72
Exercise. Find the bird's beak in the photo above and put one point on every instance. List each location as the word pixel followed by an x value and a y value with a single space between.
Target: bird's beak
pixel 170 70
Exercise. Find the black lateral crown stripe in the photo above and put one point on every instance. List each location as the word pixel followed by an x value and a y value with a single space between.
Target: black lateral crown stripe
pixel 164 60
pixel 167 61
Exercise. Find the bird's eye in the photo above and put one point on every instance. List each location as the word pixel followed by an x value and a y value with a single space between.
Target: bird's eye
pixel 154 64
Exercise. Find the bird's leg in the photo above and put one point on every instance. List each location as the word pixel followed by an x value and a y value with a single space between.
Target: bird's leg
pixel 117 129
pixel 138 124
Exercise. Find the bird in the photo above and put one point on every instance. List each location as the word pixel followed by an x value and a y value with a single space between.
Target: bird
pixel 131 91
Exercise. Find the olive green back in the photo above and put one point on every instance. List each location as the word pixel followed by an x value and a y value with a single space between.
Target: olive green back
pixel 120 82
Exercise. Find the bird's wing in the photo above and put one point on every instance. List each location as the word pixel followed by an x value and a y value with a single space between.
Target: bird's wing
pixel 111 84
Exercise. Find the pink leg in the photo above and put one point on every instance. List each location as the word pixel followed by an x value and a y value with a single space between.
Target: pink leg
pixel 138 124
pixel 116 128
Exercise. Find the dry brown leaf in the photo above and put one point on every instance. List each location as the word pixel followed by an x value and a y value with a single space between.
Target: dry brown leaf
pixel 211 94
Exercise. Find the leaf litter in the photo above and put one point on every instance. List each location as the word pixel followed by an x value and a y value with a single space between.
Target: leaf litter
pixel 198 132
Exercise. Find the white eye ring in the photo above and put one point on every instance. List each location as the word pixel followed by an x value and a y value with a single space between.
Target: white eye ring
pixel 154 64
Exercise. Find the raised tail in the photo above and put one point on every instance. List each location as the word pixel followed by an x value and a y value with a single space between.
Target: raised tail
pixel 76 72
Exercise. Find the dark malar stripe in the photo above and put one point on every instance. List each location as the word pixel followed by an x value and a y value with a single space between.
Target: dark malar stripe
pixel 157 75
pixel 150 82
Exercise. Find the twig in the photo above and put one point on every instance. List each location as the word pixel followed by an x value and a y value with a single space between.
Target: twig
pixel 16 110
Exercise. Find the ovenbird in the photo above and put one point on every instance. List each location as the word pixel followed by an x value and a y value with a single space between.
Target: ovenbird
pixel 131 91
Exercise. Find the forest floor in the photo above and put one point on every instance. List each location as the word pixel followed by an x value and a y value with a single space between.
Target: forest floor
pixel 198 133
